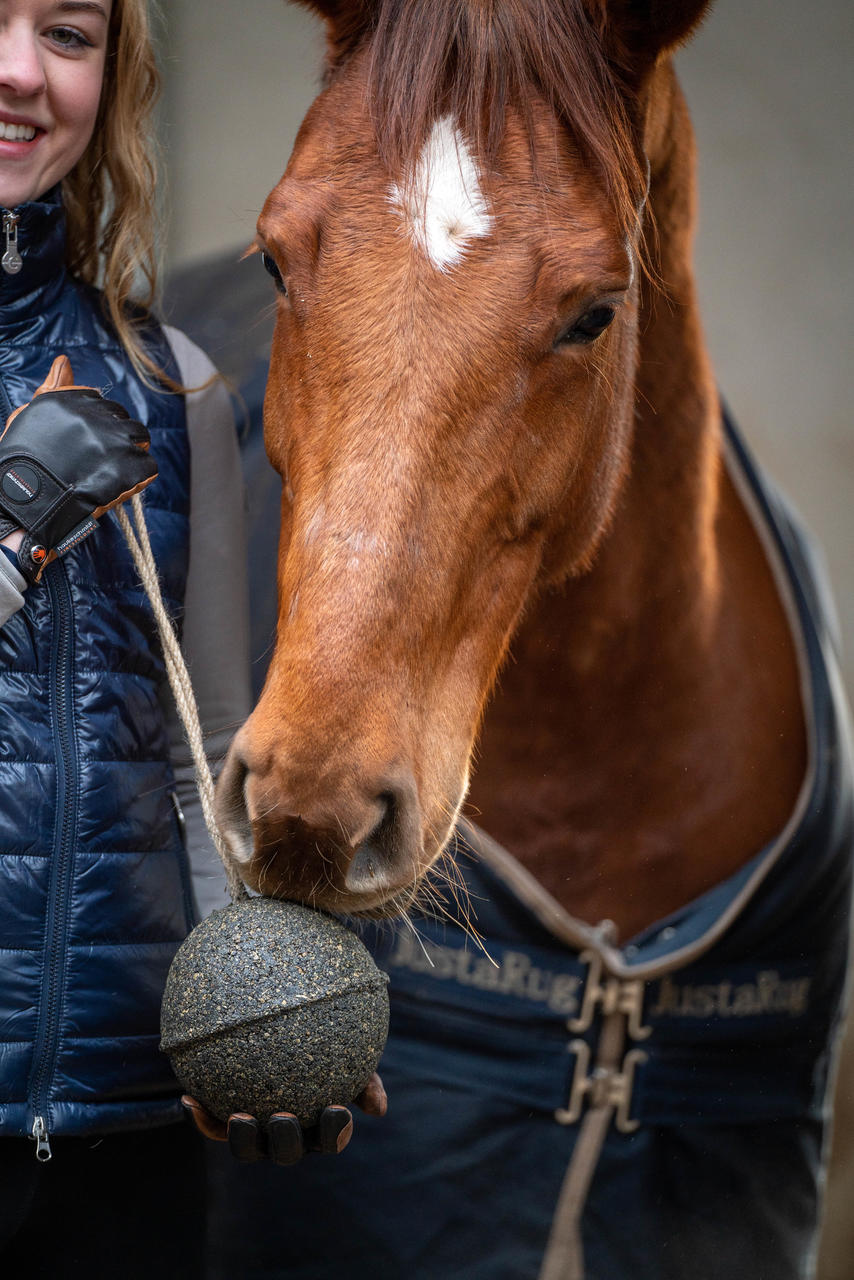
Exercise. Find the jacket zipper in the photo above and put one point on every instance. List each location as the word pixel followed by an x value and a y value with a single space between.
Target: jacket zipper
pixel 10 225
pixel 59 892
pixel 11 260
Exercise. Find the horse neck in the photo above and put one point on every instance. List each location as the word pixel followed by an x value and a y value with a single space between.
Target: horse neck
pixel 673 491
pixel 615 742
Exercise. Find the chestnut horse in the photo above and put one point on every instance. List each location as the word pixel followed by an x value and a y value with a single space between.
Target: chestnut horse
pixel 514 569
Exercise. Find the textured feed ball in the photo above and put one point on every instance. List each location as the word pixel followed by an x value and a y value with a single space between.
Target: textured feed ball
pixel 270 1006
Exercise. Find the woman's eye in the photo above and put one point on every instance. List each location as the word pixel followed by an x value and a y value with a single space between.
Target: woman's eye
pixel 68 38
pixel 272 270
pixel 588 327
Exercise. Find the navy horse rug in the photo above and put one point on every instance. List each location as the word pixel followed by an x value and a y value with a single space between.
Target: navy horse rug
pixel 563 1108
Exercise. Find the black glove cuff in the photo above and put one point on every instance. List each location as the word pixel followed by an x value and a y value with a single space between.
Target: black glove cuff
pixel 34 556
pixel 32 495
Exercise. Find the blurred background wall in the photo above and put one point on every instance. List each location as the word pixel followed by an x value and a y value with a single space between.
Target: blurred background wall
pixel 772 98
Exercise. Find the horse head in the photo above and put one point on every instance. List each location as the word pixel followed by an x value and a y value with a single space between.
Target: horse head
pixel 456 250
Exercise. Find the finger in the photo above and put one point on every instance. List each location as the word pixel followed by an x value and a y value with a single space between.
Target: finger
pixel 125 426
pixel 334 1130
pixel 206 1124
pixel 60 375
pixel 284 1138
pixel 245 1138
pixel 373 1099
pixel 140 438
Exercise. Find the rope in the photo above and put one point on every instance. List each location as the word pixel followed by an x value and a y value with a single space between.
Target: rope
pixel 182 689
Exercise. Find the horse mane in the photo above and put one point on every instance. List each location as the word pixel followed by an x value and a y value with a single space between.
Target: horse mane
pixel 475 58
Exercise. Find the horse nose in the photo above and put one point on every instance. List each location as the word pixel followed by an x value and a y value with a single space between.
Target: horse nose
pixel 315 840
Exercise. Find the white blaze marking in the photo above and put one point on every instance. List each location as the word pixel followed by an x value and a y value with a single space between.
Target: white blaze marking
pixel 442 202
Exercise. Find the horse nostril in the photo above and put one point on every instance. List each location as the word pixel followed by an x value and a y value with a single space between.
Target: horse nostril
pixel 382 861
pixel 367 870
pixel 231 808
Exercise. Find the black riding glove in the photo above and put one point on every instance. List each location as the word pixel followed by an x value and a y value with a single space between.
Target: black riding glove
pixel 66 458
pixel 282 1139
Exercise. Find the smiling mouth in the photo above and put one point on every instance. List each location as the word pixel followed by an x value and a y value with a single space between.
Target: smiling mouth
pixel 17 132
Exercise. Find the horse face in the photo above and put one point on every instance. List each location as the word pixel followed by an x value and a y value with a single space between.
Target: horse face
pixel 449 406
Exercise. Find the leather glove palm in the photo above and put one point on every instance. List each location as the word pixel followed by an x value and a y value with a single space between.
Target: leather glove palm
pixel 66 458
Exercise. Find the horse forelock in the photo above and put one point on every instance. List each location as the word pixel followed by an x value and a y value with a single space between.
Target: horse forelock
pixel 475 62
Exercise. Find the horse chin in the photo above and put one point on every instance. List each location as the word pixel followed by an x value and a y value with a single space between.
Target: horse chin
pixel 275 879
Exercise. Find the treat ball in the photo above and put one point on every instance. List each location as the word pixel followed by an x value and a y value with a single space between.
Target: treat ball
pixel 270 1006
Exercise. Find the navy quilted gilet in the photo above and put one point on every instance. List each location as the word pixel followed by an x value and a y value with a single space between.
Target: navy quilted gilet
pixel 94 888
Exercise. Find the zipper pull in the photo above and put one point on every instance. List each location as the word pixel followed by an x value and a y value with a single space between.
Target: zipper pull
pixel 11 260
pixel 42 1139
pixel 180 815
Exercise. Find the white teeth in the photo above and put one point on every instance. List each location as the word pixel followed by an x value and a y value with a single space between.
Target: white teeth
pixel 17 132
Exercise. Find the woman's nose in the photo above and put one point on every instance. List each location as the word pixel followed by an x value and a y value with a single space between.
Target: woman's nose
pixel 21 64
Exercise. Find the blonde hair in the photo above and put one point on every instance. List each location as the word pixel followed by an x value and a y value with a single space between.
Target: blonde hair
pixel 109 195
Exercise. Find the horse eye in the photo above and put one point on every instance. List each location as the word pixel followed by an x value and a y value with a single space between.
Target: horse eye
pixel 588 327
pixel 272 270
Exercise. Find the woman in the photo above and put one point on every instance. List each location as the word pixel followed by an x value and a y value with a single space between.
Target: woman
pixel 95 887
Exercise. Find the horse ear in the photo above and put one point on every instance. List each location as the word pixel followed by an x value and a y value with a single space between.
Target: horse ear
pixel 638 31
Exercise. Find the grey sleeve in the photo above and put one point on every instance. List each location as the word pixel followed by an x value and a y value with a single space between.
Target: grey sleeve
pixel 216 616
pixel 12 588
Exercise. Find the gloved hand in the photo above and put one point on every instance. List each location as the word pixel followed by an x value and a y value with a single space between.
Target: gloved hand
pixel 66 458
pixel 282 1139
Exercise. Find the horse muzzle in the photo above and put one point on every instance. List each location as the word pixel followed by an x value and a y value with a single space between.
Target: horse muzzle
pixel 345 841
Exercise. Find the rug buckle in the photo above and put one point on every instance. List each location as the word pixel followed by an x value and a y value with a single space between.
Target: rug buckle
pixel 615 995
pixel 602 1087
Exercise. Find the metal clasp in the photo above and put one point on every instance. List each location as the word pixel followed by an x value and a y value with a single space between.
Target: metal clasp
pixel 11 260
pixel 615 995
pixel 605 1087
